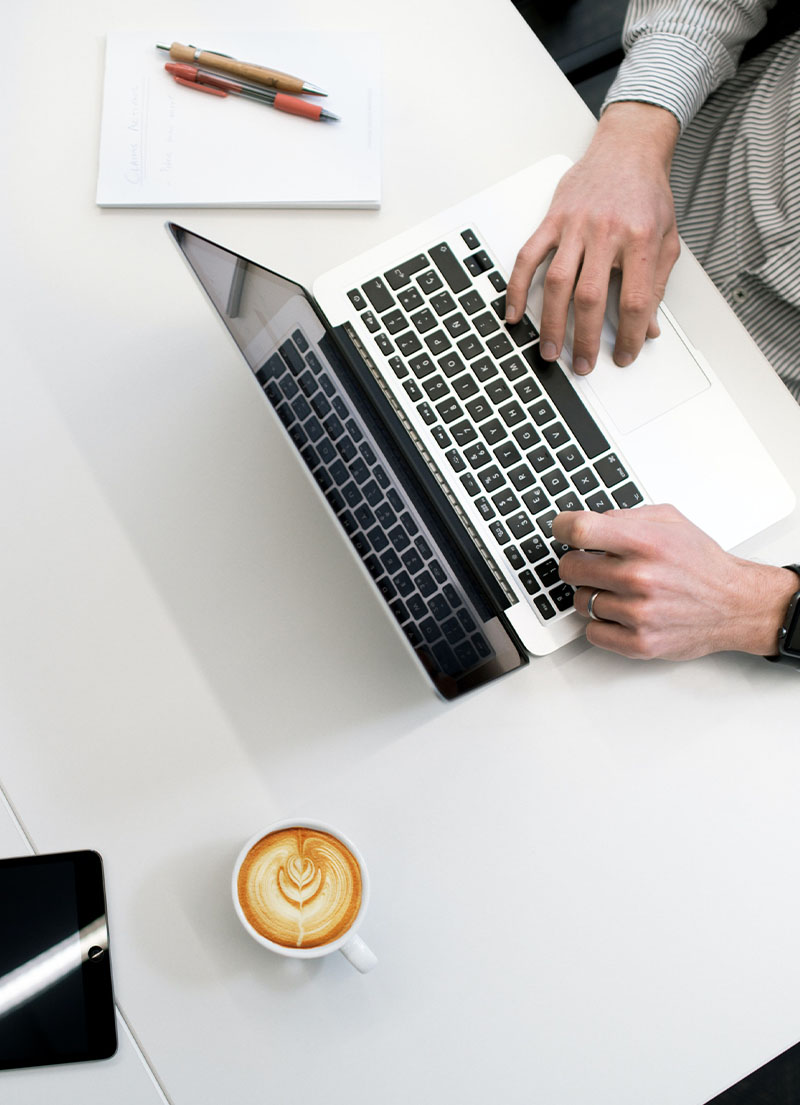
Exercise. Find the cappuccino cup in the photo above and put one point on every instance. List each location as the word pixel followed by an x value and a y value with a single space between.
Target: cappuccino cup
pixel 301 889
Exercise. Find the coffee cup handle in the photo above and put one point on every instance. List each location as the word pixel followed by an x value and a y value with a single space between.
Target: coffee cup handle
pixel 356 952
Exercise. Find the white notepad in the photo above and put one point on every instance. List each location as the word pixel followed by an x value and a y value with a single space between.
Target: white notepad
pixel 168 146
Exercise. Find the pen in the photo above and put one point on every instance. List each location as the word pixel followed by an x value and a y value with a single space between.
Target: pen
pixel 193 77
pixel 258 74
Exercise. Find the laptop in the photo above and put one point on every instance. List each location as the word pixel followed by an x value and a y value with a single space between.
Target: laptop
pixel 444 445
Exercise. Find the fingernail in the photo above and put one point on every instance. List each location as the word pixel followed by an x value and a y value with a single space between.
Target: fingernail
pixel 623 359
pixel 511 313
pixel 581 366
pixel 549 351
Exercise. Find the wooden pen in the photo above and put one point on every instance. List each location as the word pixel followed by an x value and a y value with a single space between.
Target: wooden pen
pixel 256 74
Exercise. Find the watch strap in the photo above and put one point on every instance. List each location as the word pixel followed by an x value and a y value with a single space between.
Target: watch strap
pixel 789 635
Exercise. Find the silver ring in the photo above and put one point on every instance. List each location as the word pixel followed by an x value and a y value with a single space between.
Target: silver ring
pixel 590 605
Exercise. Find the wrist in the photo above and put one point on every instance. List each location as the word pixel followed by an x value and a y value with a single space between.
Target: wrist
pixel 764 593
pixel 644 130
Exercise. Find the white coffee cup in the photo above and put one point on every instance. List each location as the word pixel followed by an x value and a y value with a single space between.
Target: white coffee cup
pixel 349 943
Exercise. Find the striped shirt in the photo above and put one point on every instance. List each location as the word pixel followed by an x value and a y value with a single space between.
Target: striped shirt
pixel 736 171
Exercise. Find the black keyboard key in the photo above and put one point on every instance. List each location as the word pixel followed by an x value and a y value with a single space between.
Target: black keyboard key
pixel 477 455
pixel 370 322
pixel 494 431
pixel 427 413
pixel 424 320
pixel 547 571
pixel 529 581
pixel 499 533
pixel 585 480
pixel 401 275
pixel 422 365
pixel 378 538
pixel 521 477
pixel 412 391
pixel 463 433
pixel 505 501
pixel 378 294
pixel 449 410
pixel 429 281
pixel 457 462
pixel 425 584
pixel 383 343
pixel 512 413
pixel 450 267
pixel 491 478
pixel 409 299
pixel 544 607
pixel 438 342
pixel 555 482
pixel 555 435
pixel 465 386
pixel 627 496
pixel 570 501
pixel 470 347
pixel 395 321
pixel 585 430
pixel 599 502
pixel 471 302
pixel 507 454
pixel 485 507
pixel 562 596
pixel 408 343
pixel 570 458
pixel 470 239
pixel 545 523
pixel 526 436
pixel 514 557
pixel 457 325
pixel 499 346
pixel 484 369
pixel 436 387
pixel 535 549
pixel 357 299
pixel 611 470
pixel 498 391
pixel 485 324
pixel 513 367
pixel 471 485
pixel 497 281
pixel 527 391
pixel 479 409
pixel 293 359
pixel 522 332
pixel 542 412
pixel 520 525
pixel 443 303
pixel 451 364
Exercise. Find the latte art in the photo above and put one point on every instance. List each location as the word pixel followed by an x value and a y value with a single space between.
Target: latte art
pixel 300 887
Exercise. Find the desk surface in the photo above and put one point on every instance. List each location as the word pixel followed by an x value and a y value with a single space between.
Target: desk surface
pixel 583 876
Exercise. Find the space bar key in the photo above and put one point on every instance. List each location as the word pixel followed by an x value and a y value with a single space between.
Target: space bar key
pixel 567 401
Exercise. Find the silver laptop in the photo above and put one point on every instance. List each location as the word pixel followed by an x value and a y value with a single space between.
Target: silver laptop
pixel 445 445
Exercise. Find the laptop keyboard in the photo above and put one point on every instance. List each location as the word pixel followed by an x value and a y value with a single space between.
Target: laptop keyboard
pixel 509 427
pixel 388 533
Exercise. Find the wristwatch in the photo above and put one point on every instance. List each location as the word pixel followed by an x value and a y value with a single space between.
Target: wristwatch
pixel 789 635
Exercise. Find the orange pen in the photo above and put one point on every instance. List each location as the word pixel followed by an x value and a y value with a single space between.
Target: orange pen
pixel 194 77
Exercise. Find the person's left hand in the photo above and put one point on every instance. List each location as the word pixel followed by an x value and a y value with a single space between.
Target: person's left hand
pixel 665 589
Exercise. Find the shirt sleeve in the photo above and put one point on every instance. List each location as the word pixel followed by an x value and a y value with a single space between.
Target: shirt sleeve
pixel 677 52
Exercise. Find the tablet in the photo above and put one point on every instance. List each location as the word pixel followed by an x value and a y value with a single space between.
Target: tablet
pixel 56 1001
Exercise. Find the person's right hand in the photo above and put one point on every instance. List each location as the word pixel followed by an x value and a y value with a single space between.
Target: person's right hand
pixel 611 210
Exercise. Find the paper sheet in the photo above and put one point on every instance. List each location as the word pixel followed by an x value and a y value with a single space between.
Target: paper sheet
pixel 165 145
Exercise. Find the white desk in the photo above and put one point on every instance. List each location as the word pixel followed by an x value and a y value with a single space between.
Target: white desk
pixel 635 827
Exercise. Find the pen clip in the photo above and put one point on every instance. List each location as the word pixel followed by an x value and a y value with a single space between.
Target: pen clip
pixel 199 87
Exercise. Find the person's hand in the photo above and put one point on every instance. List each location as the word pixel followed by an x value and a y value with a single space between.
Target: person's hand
pixel 665 589
pixel 611 210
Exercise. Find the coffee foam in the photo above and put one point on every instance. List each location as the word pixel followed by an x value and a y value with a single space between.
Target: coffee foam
pixel 300 887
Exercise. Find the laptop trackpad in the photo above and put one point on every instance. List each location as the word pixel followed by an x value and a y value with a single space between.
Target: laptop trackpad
pixel 664 375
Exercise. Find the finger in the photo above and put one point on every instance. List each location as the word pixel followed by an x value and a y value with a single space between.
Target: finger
pixel 607 606
pixel 670 251
pixel 590 297
pixel 637 302
pixel 559 285
pixel 614 638
pixel 528 260
pixel 619 532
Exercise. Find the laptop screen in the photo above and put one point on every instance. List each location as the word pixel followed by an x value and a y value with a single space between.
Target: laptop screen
pixel 320 391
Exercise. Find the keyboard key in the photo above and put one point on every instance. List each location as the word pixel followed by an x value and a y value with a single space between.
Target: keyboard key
pixel 465 386
pixel 547 571
pixel 485 324
pixel 585 480
pixel 529 581
pixel 493 431
pixel 422 365
pixel 499 533
pixel 628 496
pixel 485 507
pixel 514 557
pixel 599 502
pixel 457 325
pixel 470 347
pixel 443 303
pixel 534 549
pixel 521 477
pixel 370 322
pixel 357 299
pixel 378 294
pixel 429 281
pixel 470 239
pixel 479 409
pixel 611 470
pixel 586 431
pixel 499 346
pixel 424 320
pixel 463 433
pixel 498 391
pixel 491 478
pixel 477 455
pixel 401 275
pixel 395 321
pixel 471 302
pixel 450 267
pixel 519 524
pixel 451 364
pixel 555 435
pixel 555 482
pixel 449 410
pixel 438 342
pixel 507 454
pixel 544 607
pixel 505 501
pixel 526 436
pixel 484 369
pixel 408 343
pixel 409 299
pixel 562 596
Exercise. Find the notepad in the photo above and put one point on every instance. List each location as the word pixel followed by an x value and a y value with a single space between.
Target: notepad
pixel 165 145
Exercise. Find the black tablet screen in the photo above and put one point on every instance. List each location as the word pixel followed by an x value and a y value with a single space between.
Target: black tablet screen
pixel 55 994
